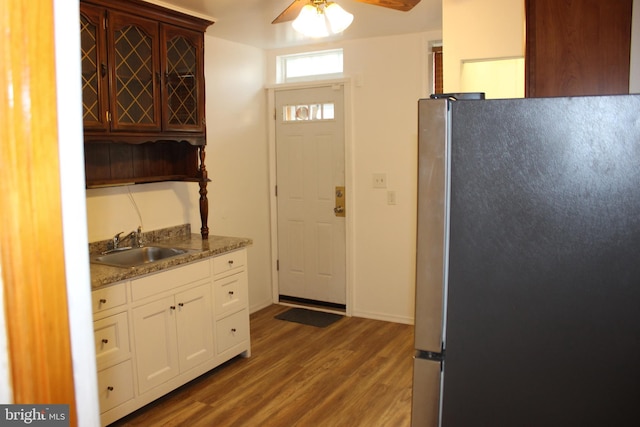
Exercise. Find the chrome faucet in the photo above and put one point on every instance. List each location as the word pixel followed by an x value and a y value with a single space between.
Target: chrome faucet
pixel 116 242
pixel 135 236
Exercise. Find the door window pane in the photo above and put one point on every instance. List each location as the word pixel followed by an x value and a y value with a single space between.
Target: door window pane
pixel 308 112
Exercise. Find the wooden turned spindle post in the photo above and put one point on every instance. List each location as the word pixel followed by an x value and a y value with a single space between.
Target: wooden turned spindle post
pixel 204 202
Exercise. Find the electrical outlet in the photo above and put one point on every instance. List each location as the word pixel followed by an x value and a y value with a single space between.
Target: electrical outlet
pixel 379 180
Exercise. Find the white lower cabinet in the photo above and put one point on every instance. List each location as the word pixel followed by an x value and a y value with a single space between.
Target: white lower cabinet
pixel 172 335
pixel 230 289
pixel 162 330
pixel 113 346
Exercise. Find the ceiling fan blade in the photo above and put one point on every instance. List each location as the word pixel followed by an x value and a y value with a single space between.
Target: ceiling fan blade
pixel 403 5
pixel 291 12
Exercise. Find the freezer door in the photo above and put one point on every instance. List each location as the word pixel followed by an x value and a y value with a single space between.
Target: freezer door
pixel 432 223
pixel 426 393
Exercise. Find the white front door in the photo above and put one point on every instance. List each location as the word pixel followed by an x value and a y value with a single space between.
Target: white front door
pixel 310 169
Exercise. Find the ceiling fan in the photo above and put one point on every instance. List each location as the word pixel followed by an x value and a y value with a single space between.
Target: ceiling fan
pixel 293 10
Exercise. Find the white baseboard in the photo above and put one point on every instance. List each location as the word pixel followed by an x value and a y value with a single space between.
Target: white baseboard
pixel 383 316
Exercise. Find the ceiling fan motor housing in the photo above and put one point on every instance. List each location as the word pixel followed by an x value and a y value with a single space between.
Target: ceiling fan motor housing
pixel 293 10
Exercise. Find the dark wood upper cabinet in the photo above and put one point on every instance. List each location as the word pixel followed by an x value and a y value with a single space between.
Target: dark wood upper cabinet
pixel 142 72
pixel 577 47
pixel 134 53
pixel 95 97
pixel 143 95
pixel 183 94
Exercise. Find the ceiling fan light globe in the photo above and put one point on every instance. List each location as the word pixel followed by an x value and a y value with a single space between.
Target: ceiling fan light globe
pixel 337 18
pixel 311 22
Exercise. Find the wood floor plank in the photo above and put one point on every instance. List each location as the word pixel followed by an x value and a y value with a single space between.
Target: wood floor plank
pixel 355 372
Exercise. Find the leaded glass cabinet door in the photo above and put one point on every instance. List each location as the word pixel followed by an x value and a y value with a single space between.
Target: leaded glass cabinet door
pixel 135 78
pixel 183 103
pixel 95 96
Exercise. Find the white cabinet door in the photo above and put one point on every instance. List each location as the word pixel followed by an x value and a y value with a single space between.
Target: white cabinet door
pixel 194 326
pixel 156 344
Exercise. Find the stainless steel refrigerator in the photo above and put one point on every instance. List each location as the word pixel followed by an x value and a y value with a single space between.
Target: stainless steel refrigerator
pixel 528 263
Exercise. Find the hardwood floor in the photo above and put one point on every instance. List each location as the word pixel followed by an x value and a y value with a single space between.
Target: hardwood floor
pixel 355 372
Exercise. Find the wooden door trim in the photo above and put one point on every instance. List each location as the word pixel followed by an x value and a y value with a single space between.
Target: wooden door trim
pixel 31 242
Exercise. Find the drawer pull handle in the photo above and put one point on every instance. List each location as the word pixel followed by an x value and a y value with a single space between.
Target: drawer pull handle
pixel 110 388
pixel 230 262
pixel 103 301
pixel 233 329
pixel 105 341
pixel 181 304
pixel 230 292
pixel 172 307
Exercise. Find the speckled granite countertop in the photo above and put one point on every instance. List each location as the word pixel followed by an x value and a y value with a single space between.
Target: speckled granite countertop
pixel 174 237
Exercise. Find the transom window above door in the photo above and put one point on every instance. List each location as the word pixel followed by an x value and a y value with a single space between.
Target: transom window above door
pixel 319 65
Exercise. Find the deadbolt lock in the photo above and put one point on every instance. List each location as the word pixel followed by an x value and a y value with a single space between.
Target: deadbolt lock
pixel 339 210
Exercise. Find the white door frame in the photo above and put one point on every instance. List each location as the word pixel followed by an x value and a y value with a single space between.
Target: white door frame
pixel 348 177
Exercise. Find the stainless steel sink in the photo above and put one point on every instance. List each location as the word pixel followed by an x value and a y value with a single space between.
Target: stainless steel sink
pixel 137 256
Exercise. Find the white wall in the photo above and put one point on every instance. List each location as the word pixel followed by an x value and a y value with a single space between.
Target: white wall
pixel 479 29
pixel 237 157
pixel 110 210
pixel 389 75
pixel 394 75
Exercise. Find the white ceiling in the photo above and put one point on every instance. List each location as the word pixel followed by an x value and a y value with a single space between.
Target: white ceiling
pixel 249 21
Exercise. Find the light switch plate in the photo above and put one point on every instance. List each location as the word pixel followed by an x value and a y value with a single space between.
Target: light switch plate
pixel 391 197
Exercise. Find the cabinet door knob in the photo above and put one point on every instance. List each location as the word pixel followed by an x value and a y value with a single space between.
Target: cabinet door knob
pixel 230 262
pixel 105 341
pixel 233 329
pixel 172 307
pixel 230 292
pixel 181 304
pixel 110 388
pixel 103 301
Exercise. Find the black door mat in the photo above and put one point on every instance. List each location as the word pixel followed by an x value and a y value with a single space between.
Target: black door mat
pixel 319 319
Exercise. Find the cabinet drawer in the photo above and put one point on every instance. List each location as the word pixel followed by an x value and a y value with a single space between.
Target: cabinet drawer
pixel 111 336
pixel 115 385
pixel 230 263
pixel 168 280
pixel 109 297
pixel 230 293
pixel 232 330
